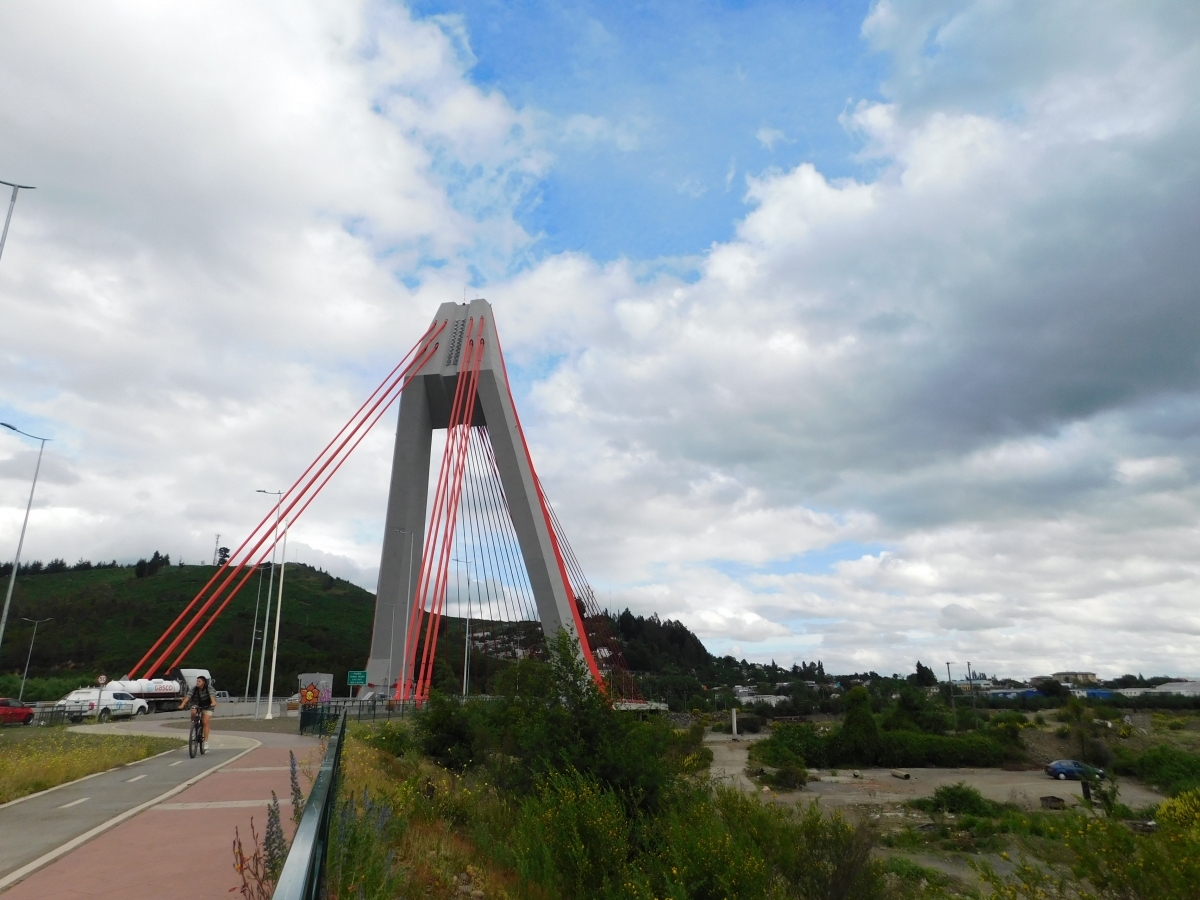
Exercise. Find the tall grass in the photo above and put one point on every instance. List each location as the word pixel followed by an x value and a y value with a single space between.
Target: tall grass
pixel 54 756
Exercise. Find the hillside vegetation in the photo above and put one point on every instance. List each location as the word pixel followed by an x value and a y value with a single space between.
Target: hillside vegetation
pixel 105 619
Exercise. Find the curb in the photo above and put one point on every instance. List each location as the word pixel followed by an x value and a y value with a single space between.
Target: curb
pixel 29 868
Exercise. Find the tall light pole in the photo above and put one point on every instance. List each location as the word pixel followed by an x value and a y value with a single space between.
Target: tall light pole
pixel 278 613
pixel 11 204
pixel 467 642
pixel 407 617
pixel 12 578
pixel 36 623
pixel 262 656
pixel 253 634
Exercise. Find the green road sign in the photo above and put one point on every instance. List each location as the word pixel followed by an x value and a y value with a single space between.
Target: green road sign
pixel 356 677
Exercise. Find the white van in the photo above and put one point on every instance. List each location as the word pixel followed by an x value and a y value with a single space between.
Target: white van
pixel 114 704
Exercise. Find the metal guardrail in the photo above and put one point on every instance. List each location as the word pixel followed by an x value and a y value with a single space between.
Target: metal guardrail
pixel 303 875
pixel 320 718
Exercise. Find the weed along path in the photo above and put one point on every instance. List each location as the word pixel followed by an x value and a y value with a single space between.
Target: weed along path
pixel 56 845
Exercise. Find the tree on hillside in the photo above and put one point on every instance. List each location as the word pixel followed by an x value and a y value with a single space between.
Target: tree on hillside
pixel 1052 688
pixel 925 676
pixel 859 737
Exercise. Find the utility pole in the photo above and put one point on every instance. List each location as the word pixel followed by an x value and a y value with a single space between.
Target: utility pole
pixel 971 681
pixel 12 578
pixel 216 545
pixel 36 623
pixel 11 204
pixel 953 714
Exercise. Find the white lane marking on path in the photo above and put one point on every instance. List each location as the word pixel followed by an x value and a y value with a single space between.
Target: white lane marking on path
pixel 222 804
pixel 179 763
pixel 45 859
pixel 66 784
pixel 135 778
pixel 75 802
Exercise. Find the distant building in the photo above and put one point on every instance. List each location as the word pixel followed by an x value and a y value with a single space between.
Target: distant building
pixel 977 684
pixel 1180 688
pixel 1077 678
pixel 1013 693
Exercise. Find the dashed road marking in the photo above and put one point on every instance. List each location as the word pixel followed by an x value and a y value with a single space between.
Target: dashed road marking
pixel 75 802
pixel 135 778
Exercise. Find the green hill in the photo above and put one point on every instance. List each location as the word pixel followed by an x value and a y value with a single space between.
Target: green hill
pixel 106 619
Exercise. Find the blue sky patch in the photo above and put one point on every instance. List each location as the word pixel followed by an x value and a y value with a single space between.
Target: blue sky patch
pixel 661 110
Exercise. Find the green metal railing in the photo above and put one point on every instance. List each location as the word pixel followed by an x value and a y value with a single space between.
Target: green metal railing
pixel 303 875
pixel 320 718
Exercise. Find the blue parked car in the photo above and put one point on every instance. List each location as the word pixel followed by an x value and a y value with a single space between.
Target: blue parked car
pixel 1062 769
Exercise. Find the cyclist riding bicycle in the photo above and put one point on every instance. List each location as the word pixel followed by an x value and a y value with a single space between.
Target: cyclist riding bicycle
pixel 203 702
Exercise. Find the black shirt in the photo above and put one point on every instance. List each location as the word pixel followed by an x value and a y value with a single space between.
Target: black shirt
pixel 201 697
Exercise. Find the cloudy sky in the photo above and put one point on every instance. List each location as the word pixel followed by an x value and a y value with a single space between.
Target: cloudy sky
pixel 862 332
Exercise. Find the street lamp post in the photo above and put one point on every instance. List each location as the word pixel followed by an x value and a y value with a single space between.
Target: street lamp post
pixel 467 641
pixel 253 635
pixel 12 578
pixel 36 623
pixel 278 613
pixel 262 656
pixel 11 204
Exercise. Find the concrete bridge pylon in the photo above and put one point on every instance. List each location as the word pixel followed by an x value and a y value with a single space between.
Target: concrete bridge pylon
pixel 433 398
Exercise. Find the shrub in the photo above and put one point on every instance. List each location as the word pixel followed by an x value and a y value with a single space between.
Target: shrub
pixel 749 724
pixel 793 744
pixel 790 777
pixel 1183 810
pixel 958 799
pixel 360 862
pixel 802 744
pixel 1097 753
pixel 574 834
pixel 445 732
pixel 858 740
pixel 1172 770
pixel 706 855
pixel 921 750
pixel 390 737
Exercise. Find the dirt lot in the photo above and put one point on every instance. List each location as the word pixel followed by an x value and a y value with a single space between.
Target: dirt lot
pixel 878 787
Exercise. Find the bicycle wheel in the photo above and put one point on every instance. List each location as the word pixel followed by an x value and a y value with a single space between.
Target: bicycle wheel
pixel 200 738
pixel 193 741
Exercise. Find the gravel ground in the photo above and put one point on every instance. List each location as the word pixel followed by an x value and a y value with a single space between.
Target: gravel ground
pixel 878 787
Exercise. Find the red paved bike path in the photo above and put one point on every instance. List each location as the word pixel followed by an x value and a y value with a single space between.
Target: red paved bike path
pixel 179 850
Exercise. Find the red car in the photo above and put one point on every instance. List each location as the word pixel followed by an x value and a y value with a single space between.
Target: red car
pixel 14 711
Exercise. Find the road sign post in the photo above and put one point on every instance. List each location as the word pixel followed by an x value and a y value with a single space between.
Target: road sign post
pixel 356 677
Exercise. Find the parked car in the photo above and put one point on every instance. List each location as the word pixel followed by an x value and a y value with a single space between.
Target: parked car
pixel 12 711
pixel 113 705
pixel 1062 769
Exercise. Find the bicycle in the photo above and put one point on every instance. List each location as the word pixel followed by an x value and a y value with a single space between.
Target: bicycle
pixel 196 733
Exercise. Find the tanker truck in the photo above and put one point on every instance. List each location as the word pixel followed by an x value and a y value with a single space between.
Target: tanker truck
pixel 162 694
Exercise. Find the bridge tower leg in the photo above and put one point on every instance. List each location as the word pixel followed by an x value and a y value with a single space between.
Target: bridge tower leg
pixel 425 404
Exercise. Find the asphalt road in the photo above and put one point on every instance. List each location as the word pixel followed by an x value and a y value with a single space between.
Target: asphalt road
pixel 34 826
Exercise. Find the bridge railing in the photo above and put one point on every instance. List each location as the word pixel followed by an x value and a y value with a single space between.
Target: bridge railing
pixel 303 875
pixel 320 718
